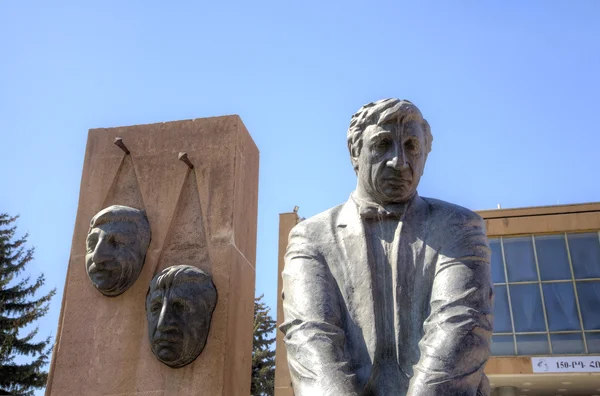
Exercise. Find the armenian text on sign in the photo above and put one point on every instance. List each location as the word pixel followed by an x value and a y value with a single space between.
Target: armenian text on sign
pixel 566 364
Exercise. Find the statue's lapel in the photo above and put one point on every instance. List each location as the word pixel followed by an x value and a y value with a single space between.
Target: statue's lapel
pixel 358 284
pixel 412 288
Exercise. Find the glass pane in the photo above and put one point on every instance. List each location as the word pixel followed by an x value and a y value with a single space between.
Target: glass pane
pixel 552 257
pixel 534 344
pixel 593 342
pixel 589 302
pixel 567 343
pixel 585 255
pixel 502 322
pixel 520 261
pixel 503 345
pixel 497 265
pixel 527 308
pixel 561 307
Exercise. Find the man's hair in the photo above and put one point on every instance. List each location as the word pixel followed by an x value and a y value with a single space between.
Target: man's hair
pixel 180 274
pixel 119 213
pixel 381 112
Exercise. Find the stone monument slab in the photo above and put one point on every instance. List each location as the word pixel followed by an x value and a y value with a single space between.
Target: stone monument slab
pixel 202 213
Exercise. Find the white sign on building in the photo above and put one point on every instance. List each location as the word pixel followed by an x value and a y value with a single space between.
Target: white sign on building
pixel 566 364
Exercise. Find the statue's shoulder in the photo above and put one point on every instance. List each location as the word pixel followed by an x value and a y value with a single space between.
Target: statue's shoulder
pixel 443 210
pixel 317 226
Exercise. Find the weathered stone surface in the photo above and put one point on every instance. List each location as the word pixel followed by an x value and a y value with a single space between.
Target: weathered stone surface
pixel 102 345
pixel 390 293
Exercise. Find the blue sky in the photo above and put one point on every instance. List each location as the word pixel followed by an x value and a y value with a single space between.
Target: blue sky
pixel 510 89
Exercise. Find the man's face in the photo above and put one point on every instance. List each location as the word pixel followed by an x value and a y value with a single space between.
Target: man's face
pixel 114 256
pixel 391 161
pixel 178 322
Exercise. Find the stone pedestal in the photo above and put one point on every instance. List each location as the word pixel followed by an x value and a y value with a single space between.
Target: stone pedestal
pixel 283 381
pixel 102 345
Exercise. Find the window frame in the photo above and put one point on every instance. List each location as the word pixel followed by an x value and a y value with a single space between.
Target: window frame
pixel 574 281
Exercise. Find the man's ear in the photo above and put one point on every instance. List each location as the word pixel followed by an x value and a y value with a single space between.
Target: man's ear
pixel 354 154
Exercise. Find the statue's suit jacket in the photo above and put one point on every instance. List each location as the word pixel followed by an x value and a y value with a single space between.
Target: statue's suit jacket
pixel 442 295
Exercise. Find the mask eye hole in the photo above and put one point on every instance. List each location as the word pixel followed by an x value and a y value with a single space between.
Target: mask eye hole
pixel 156 306
pixel 92 241
pixel 180 306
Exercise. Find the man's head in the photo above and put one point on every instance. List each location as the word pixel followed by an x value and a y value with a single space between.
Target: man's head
pixel 116 248
pixel 388 141
pixel 179 307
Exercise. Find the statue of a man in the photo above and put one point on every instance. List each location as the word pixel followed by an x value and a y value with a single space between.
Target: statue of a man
pixel 388 294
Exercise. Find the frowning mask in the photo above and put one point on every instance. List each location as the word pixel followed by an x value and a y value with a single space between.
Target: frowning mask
pixel 179 307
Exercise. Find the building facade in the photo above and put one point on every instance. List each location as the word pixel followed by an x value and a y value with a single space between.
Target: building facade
pixel 546 275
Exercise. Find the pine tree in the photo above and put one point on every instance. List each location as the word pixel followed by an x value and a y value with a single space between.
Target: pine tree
pixel 19 308
pixel 263 356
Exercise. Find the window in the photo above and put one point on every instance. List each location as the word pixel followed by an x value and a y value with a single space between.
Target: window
pixel 547 294
pixel 561 306
pixel 527 308
pixel 585 254
pixel 552 257
pixel 520 260
pixel 502 321
pixel 497 262
pixel 589 301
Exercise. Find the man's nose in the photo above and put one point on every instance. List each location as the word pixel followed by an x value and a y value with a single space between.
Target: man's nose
pixel 399 159
pixel 103 251
pixel 165 319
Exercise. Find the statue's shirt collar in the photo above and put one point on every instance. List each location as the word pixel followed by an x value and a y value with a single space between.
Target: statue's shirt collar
pixel 369 210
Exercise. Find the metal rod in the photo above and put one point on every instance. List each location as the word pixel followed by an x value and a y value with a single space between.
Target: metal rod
pixel 184 158
pixel 576 294
pixel 512 320
pixel 548 281
pixel 119 142
pixel 537 268
pixel 552 332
